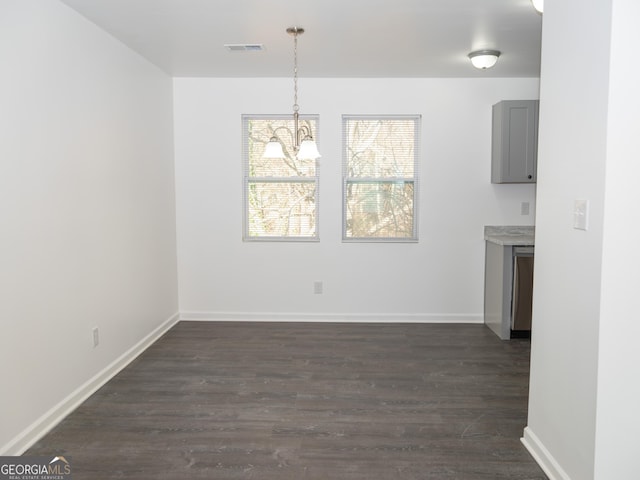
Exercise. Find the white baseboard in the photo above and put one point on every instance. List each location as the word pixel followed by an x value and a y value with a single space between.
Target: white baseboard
pixel 542 456
pixel 56 414
pixel 332 317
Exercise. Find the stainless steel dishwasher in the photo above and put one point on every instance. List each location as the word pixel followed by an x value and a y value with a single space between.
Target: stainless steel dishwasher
pixel 522 296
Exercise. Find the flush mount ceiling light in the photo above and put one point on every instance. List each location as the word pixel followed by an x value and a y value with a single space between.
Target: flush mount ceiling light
pixel 538 5
pixel 483 59
pixel 304 145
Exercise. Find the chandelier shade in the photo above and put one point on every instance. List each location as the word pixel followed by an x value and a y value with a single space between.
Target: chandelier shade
pixel 308 149
pixel 538 5
pixel 273 149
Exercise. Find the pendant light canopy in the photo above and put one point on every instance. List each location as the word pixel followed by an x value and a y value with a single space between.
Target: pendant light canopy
pixel 303 143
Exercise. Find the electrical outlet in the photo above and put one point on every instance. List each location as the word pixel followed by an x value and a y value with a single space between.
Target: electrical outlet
pixel 317 287
pixel 96 337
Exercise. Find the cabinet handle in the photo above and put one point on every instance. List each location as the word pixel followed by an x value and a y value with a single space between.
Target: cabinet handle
pixel 529 177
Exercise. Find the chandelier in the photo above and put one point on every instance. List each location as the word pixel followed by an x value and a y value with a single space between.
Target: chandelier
pixel 303 144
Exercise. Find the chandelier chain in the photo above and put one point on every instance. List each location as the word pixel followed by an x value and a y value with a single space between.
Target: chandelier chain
pixel 295 72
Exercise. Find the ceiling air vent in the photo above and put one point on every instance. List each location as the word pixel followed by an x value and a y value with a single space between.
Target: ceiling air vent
pixel 244 47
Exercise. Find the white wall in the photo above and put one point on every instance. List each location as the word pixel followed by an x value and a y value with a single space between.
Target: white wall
pixel 87 211
pixel 439 278
pixel 571 152
pixel 618 398
pixel 585 367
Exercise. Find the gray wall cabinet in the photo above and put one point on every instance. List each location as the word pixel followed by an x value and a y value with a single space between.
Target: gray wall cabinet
pixel 514 144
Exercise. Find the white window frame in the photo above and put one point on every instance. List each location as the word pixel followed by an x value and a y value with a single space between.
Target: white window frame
pixel 306 179
pixel 346 180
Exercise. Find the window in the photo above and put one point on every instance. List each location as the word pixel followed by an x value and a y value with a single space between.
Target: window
pixel 380 178
pixel 280 195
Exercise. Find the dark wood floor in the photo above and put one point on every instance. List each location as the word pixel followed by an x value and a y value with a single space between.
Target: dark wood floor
pixel 308 401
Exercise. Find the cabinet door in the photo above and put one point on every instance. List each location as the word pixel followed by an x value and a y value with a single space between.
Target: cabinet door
pixel 514 146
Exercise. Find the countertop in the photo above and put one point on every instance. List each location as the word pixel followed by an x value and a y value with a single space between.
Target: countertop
pixel 510 235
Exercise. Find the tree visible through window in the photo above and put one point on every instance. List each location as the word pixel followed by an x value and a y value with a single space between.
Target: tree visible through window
pixel 280 195
pixel 380 177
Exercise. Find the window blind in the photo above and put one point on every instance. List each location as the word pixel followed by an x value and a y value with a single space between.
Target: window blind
pixel 280 196
pixel 380 177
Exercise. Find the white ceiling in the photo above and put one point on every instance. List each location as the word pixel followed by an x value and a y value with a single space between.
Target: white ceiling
pixel 343 38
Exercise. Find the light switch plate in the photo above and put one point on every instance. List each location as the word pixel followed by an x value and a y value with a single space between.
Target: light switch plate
pixel 581 214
